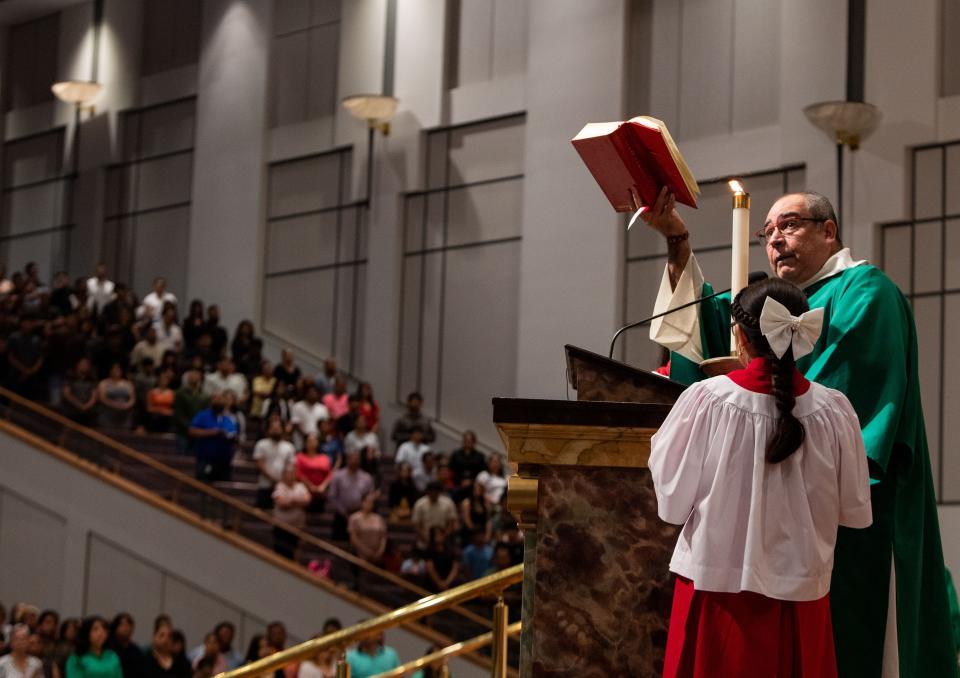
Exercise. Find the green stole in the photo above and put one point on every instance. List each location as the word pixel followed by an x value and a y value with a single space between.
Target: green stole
pixel 868 351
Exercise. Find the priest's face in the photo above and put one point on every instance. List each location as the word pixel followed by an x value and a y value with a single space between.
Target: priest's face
pixel 797 256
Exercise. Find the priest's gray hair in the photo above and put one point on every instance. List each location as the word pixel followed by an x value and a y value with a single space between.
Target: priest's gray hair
pixel 820 208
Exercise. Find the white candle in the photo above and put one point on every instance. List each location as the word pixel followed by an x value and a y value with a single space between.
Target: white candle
pixel 740 241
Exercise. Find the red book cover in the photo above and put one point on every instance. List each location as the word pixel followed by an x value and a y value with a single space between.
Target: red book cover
pixel 633 160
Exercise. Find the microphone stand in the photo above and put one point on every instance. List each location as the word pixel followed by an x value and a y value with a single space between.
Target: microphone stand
pixel 660 315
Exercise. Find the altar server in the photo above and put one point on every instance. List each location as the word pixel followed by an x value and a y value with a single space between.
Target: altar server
pixel 760 467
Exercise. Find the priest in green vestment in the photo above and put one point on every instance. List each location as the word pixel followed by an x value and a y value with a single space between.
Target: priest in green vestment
pixel 889 594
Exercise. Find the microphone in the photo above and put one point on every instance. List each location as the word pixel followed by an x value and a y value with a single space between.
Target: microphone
pixel 754 277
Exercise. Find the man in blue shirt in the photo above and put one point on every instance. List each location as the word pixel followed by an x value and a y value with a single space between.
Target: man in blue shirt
pixel 478 556
pixel 214 435
pixel 371 657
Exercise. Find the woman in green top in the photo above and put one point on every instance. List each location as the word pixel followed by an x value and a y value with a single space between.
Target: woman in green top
pixel 92 659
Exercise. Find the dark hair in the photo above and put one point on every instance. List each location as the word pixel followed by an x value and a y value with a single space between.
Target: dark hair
pixel 48 613
pixel 746 309
pixel 415 394
pixel 82 646
pixel 334 623
pixel 118 618
pixel 253 649
pixel 225 625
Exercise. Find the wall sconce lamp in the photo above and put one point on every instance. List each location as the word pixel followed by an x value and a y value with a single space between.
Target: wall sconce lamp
pixel 375 109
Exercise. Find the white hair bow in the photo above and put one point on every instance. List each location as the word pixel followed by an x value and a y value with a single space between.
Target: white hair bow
pixel 783 330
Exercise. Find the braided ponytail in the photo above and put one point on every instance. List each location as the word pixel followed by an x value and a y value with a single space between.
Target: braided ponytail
pixel 746 308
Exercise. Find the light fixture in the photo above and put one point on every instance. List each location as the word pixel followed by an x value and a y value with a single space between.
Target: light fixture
pixel 845 122
pixel 81 93
pixel 375 109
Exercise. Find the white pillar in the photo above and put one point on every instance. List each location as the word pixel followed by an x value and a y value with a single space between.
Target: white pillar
pixel 571 259
pixel 225 254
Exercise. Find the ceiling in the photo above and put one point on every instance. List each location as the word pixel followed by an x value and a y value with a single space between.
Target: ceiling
pixel 17 11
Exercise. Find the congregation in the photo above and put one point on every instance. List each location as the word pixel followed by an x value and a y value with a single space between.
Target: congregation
pixel 38 644
pixel 104 358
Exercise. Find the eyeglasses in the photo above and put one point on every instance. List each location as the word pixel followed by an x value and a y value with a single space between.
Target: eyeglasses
pixel 787 226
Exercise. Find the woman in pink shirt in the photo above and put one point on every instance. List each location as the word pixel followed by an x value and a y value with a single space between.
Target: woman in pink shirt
pixel 313 469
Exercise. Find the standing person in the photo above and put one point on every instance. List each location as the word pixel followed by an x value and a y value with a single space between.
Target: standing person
pixel 92 658
pixel 435 510
pixel 80 394
pixel 442 567
pixel 369 406
pixel 211 652
pixel 403 493
pixel 733 461
pixel 287 370
pixel 368 531
pixel 117 397
pixel 306 414
pixel 412 452
pixel 99 290
pixel 152 306
pixel 18 663
pixel 336 401
pixel 290 500
pixel 169 334
pixel 893 613
pixel 162 660
pixel 324 380
pixel 244 348
pixel 187 402
pixel 361 439
pixel 213 434
pixel 475 515
pixel 121 642
pixel 372 656
pixel 25 356
pixel 466 463
pixel 345 493
pixel 193 325
pixel 218 335
pixel 160 404
pixel 493 480
pixel 272 454
pixel 413 417
pixel 261 390
pixel 316 472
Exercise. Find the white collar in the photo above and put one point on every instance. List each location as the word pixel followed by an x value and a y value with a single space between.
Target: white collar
pixel 838 263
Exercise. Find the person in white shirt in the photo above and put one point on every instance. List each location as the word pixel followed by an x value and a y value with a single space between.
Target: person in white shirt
pixel 306 415
pixel 99 289
pixel 272 454
pixel 493 481
pixel 412 452
pixel 19 664
pixel 168 331
pixel 226 379
pixel 152 305
pixel 760 466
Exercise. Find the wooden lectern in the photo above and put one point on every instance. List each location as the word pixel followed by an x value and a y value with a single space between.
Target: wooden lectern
pixel 596 590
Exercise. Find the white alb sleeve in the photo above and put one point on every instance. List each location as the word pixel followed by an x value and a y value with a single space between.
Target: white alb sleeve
pixel 853 473
pixel 677 452
pixel 680 331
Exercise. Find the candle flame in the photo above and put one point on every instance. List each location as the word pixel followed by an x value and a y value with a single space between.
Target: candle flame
pixel 735 186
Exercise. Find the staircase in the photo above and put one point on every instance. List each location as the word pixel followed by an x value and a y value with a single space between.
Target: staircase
pixel 150 460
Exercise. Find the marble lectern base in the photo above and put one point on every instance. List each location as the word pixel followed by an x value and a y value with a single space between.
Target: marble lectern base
pixel 603 589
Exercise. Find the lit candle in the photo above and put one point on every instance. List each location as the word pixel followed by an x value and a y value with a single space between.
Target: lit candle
pixel 741 246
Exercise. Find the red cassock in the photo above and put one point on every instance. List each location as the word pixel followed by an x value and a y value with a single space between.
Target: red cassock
pixel 747 635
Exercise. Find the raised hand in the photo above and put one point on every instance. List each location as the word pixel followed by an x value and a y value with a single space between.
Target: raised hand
pixel 663 216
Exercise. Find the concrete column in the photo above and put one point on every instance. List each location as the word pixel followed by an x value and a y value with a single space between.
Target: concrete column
pixel 225 255
pixel 570 261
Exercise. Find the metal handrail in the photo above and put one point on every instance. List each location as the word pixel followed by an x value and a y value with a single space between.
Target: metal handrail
pixel 454 650
pixel 182 479
pixel 493 583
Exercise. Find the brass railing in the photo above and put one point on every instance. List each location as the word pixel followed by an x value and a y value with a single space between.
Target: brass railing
pixel 446 653
pixel 494 583
pixel 187 492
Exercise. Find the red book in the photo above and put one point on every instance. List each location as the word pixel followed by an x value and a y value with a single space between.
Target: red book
pixel 633 160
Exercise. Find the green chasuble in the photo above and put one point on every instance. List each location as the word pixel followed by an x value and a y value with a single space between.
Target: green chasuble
pixel 868 351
